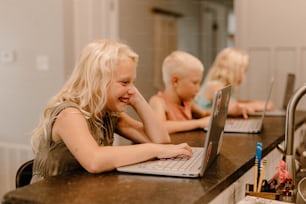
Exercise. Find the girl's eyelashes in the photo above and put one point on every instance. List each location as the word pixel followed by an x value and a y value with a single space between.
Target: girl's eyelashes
pixel 124 83
pixel 127 82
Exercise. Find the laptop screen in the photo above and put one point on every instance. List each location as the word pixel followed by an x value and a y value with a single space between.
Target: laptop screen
pixel 214 135
pixel 267 99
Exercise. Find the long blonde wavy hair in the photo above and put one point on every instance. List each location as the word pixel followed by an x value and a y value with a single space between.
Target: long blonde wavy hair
pixel 87 85
pixel 229 67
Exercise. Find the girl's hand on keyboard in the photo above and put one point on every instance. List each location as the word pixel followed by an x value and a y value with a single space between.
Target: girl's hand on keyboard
pixel 171 150
pixel 236 109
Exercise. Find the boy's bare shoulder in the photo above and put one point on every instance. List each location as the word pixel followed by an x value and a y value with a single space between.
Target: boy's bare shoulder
pixel 156 100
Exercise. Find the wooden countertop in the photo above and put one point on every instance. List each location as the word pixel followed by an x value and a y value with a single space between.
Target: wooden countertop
pixel 236 157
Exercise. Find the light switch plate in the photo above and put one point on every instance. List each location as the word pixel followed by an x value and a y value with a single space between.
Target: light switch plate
pixel 7 56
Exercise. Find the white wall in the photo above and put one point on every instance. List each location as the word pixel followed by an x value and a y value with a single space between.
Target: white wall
pixel 30 28
pixel 275 48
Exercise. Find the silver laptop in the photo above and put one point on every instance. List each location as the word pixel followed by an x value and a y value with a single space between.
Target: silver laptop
pixel 289 89
pixel 202 157
pixel 250 125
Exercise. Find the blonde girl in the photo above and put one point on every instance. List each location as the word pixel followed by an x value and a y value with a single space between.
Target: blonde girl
pixel 77 126
pixel 229 67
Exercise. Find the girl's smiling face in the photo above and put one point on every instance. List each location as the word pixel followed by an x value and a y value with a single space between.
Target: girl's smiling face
pixel 121 87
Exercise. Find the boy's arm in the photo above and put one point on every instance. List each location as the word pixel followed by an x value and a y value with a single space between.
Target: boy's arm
pixel 186 125
pixel 172 126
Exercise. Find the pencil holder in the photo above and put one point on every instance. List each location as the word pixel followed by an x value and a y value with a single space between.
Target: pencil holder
pixel 267 195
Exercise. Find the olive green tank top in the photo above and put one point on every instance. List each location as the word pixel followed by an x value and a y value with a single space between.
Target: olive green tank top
pixel 54 158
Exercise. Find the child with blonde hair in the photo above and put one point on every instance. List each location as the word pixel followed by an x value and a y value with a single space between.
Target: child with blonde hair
pixel 182 74
pixel 228 68
pixel 77 127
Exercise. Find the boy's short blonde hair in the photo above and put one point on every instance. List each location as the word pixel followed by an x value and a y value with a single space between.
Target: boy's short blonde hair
pixel 179 63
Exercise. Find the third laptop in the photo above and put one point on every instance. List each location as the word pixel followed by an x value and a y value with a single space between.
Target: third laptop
pixel 289 89
pixel 250 125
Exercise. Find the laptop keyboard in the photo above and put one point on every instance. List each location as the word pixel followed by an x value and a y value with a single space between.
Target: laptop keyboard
pixel 250 124
pixel 176 164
